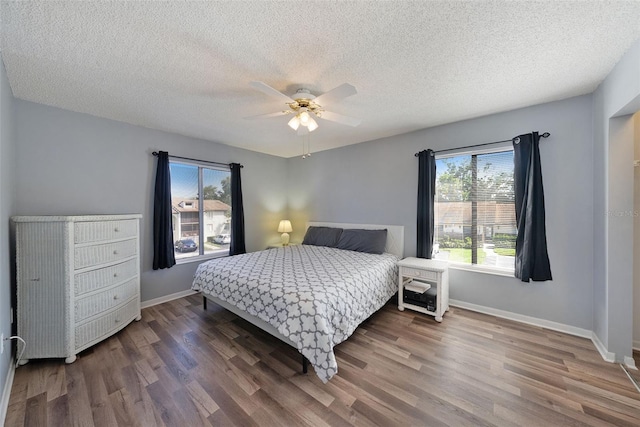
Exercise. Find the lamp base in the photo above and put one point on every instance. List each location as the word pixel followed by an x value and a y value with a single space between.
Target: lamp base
pixel 285 239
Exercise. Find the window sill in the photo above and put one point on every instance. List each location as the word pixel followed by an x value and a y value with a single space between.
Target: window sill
pixel 482 269
pixel 201 258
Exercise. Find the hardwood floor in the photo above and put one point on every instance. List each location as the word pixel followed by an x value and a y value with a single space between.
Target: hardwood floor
pixel 182 366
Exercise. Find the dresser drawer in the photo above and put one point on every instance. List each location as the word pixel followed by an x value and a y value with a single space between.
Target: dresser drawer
pixel 106 325
pixel 87 232
pixel 423 274
pixel 99 254
pixel 105 277
pixel 103 301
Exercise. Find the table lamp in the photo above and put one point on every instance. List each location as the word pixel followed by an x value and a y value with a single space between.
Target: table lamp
pixel 285 229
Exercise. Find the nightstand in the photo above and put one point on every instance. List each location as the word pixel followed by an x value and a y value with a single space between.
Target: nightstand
pixel 279 245
pixel 424 274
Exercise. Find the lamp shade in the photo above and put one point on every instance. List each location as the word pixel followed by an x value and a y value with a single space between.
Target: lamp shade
pixel 311 124
pixel 294 123
pixel 304 117
pixel 285 226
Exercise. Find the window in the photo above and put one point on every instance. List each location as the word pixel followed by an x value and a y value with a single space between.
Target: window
pixel 201 206
pixel 475 218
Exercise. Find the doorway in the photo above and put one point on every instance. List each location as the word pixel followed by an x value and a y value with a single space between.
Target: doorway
pixel 636 239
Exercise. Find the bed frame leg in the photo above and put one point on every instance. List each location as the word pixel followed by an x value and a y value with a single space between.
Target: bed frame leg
pixel 305 365
pixel 204 303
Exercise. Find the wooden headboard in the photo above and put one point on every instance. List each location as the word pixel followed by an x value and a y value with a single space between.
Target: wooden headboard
pixel 395 234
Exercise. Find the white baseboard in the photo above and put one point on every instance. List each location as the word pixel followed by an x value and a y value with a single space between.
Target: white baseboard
pixel 547 324
pixel 166 298
pixel 6 393
pixel 630 363
pixel 554 326
pixel 606 355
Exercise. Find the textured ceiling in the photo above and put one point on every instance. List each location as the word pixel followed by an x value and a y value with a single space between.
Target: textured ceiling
pixel 186 67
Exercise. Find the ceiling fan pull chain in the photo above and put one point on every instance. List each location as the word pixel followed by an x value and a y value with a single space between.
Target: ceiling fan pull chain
pixel 304 156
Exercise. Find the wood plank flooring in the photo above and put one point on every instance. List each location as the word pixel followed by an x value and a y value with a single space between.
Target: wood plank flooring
pixel 182 366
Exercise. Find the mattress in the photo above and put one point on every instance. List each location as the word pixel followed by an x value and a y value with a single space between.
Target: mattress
pixel 315 296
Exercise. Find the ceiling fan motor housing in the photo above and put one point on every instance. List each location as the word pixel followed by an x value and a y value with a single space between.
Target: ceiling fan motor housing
pixel 303 94
pixel 304 101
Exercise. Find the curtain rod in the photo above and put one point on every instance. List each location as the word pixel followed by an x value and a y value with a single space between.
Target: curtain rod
pixel 155 153
pixel 544 135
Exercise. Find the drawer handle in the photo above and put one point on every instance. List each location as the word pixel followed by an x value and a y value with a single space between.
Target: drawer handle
pixel 34 280
pixel 115 274
pixel 117 320
pixel 115 252
pixel 115 297
pixel 116 229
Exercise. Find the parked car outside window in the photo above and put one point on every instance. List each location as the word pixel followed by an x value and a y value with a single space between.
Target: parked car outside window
pixel 222 239
pixel 186 245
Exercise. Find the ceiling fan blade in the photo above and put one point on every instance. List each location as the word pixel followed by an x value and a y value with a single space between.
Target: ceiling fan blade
pixel 336 94
pixel 339 118
pixel 265 88
pixel 268 115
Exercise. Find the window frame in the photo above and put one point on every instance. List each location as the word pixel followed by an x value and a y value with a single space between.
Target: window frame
pixel 201 255
pixel 478 268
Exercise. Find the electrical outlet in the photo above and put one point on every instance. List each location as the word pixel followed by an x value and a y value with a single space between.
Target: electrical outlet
pixel 1 343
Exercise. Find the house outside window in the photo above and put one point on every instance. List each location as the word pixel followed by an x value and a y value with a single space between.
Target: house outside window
pixel 201 210
pixel 475 221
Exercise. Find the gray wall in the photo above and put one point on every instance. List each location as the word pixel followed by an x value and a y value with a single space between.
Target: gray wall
pixel 72 163
pixel 376 182
pixel 613 101
pixel 7 204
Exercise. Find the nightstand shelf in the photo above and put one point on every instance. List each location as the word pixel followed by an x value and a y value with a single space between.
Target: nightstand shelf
pixel 424 273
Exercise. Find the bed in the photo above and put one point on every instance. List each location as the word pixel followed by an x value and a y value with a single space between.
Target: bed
pixel 311 297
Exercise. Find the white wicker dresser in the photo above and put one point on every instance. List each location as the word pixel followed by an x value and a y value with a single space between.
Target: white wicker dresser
pixel 78 281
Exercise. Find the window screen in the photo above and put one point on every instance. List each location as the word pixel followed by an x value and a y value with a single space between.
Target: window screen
pixel 475 220
pixel 201 210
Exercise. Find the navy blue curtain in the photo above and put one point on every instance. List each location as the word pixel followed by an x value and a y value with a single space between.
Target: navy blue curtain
pixel 163 255
pixel 237 212
pixel 426 196
pixel 532 259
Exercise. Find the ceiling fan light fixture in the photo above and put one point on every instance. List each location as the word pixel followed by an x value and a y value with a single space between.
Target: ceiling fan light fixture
pixel 304 117
pixel 312 125
pixel 305 107
pixel 294 123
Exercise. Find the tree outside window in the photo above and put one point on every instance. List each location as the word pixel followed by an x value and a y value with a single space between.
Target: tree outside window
pixel 201 222
pixel 475 209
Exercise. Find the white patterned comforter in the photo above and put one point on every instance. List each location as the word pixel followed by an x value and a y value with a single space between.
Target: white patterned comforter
pixel 313 295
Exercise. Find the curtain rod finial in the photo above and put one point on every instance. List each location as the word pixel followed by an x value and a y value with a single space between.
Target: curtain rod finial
pixel 546 135
pixel 432 153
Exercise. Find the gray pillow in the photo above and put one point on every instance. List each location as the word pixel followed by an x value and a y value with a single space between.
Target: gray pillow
pixel 322 236
pixel 370 241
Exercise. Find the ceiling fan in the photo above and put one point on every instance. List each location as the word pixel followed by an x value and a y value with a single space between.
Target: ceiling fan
pixel 305 106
